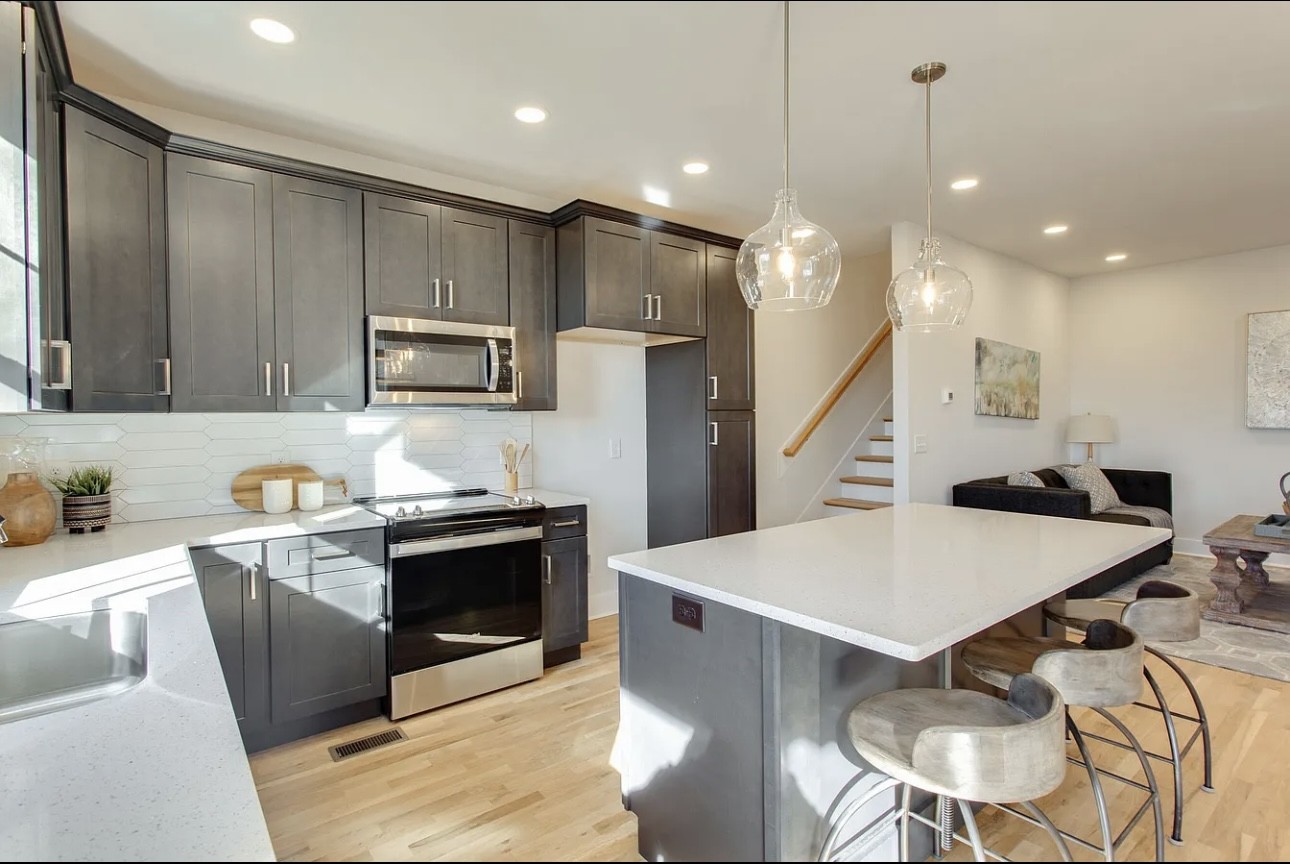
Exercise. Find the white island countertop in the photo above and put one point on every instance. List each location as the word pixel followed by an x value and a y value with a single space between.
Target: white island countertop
pixel 905 581
pixel 157 772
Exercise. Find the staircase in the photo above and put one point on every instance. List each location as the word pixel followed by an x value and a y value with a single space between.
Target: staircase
pixel 870 487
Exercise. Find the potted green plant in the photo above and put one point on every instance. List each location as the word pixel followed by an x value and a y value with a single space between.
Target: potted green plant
pixel 87 497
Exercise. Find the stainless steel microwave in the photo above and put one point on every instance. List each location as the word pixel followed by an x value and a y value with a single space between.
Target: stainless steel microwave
pixel 416 361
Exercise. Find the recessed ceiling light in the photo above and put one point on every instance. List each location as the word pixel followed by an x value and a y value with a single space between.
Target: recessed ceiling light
pixel 964 184
pixel 1056 229
pixel 530 114
pixel 272 31
pixel 695 167
pixel 1118 256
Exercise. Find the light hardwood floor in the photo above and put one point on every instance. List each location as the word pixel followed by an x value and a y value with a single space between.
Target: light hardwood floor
pixel 524 774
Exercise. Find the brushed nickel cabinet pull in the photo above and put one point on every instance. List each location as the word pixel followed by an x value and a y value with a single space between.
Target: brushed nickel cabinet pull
pixel 286 379
pixel 649 307
pixel 713 439
pixel 165 376
pixel 546 560
pixel 713 379
pixel 251 573
pixel 435 304
pixel 268 379
pixel 449 293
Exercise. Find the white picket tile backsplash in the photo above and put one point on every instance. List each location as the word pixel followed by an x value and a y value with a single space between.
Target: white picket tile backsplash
pixel 171 465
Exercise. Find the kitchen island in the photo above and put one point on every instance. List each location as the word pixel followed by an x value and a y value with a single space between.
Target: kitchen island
pixel 742 655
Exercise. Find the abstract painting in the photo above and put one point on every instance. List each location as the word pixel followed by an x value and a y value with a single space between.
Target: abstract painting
pixel 1007 380
pixel 1267 387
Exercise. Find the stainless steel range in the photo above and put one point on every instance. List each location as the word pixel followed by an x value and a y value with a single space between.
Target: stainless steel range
pixel 465 582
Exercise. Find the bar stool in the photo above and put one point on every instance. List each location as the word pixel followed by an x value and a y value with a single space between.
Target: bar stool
pixel 961 744
pixel 1161 612
pixel 1103 672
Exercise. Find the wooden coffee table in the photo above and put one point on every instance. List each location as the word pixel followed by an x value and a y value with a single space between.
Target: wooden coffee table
pixel 1245 595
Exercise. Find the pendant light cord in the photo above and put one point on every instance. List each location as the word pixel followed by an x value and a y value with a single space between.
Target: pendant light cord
pixel 786 94
pixel 927 137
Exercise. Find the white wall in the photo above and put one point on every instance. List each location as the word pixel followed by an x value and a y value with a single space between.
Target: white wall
pixel 1163 351
pixel 1014 303
pixel 256 139
pixel 799 356
pixel 601 390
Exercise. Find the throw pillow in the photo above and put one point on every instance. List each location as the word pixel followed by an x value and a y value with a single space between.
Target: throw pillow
pixel 1089 478
pixel 1025 478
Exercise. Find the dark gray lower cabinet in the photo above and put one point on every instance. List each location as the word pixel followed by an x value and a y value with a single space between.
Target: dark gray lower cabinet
pixel 304 653
pixel 232 589
pixel 732 459
pixel 326 641
pixel 564 595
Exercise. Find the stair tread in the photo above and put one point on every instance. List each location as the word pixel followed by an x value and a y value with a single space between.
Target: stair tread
pixel 869 457
pixel 856 503
pixel 868 481
pixel 881 438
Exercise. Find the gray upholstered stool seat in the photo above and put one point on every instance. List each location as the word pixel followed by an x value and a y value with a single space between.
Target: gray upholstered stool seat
pixel 960 744
pixel 1105 671
pixel 1161 612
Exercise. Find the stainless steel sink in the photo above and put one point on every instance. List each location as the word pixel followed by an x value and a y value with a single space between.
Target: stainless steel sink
pixel 50 664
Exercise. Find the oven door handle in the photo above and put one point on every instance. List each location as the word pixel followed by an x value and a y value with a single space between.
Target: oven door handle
pixel 464 541
pixel 494 365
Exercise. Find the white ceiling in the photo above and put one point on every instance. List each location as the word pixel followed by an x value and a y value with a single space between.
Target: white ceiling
pixel 1157 129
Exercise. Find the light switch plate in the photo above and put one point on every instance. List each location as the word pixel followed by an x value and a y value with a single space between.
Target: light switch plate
pixel 947 396
pixel 615 448
pixel 920 443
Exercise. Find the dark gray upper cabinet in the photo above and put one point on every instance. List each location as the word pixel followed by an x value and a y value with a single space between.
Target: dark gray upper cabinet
pixel 603 275
pixel 532 276
pixel 678 280
pixel 220 219
pixel 116 255
pixel 232 587
pixel 564 593
pixel 730 336
pixel 327 641
pixel 318 291
pixel 622 277
pixel 402 255
pixel 475 284
pixel 732 504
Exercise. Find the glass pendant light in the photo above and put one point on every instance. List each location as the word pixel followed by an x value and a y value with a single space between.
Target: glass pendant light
pixel 789 263
pixel 929 295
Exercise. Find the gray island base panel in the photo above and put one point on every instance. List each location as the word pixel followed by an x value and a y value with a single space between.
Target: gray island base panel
pixel 742 655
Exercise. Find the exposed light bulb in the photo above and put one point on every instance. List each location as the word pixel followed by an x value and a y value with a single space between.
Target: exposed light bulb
pixel 786 262
pixel 929 292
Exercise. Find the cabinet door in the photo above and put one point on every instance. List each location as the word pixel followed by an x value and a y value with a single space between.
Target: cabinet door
pixel 326 641
pixel 50 352
pixel 564 593
pixel 732 505
pixel 678 279
pixel 730 336
pixel 617 275
pixel 475 289
pixel 318 295
pixel 402 257
pixel 116 255
pixel 232 589
pixel 532 276
pixel 221 286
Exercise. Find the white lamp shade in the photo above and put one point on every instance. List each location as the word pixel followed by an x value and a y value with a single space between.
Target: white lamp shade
pixel 1090 429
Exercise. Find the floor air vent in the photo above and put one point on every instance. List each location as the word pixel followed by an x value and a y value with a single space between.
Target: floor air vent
pixel 362 745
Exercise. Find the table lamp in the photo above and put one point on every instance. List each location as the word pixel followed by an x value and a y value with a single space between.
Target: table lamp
pixel 1090 429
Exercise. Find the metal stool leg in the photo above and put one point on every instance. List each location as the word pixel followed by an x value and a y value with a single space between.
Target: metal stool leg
pixel 1151 778
pixel 1176 837
pixel 905 796
pixel 969 819
pixel 1208 785
pixel 1062 849
pixel 840 820
pixel 1099 797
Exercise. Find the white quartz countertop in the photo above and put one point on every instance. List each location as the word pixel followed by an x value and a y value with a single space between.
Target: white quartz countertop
pixel 158 772
pixel 906 581
pixel 551 498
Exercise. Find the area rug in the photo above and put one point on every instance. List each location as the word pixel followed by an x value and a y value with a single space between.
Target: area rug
pixel 1231 646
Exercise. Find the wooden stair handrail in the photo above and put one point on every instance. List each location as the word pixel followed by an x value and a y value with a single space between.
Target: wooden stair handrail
pixel 832 398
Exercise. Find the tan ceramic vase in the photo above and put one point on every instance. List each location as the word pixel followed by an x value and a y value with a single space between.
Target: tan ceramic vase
pixel 28 510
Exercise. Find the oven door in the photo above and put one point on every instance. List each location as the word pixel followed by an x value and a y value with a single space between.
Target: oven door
pixel 462 595
pixel 413 361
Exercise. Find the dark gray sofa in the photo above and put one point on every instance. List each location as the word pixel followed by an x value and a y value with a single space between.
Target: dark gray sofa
pixel 1139 488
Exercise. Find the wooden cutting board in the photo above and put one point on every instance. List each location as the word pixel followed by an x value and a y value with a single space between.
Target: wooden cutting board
pixel 246 486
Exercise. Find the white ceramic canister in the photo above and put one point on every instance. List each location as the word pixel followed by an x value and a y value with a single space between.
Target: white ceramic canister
pixel 277 495
pixel 310 494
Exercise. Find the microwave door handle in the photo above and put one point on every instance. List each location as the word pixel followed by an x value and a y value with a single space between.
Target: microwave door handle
pixel 494 365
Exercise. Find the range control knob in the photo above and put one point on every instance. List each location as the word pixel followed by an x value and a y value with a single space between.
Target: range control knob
pixel 530 500
pixel 417 511
pixel 515 502
pixel 401 512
